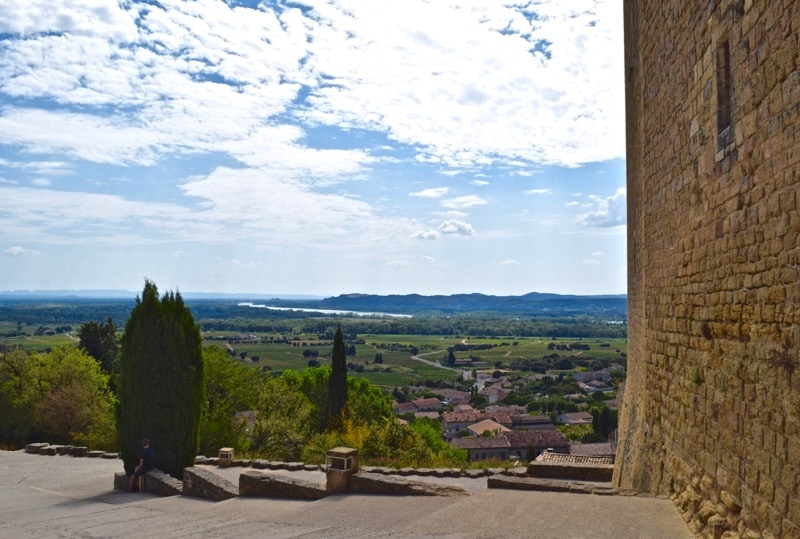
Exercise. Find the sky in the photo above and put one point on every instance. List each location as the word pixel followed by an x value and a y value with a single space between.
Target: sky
pixel 313 147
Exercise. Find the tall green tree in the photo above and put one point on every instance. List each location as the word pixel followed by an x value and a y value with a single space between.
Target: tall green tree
pixel 160 385
pixel 100 341
pixel 337 383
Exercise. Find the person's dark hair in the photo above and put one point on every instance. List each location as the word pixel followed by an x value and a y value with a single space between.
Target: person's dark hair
pixel 145 442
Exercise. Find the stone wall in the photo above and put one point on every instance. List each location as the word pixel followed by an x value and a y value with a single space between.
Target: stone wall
pixel 711 411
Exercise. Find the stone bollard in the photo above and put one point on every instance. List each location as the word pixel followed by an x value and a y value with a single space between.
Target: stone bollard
pixel 226 457
pixel 341 463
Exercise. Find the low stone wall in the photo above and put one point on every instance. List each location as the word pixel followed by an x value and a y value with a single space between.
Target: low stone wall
pixel 552 485
pixel 155 481
pixel 371 483
pixel 575 471
pixel 260 484
pixel 44 448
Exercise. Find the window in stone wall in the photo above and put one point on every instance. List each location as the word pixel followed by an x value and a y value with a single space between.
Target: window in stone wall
pixel 724 127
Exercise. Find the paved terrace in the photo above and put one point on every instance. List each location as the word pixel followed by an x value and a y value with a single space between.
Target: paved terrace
pixel 62 496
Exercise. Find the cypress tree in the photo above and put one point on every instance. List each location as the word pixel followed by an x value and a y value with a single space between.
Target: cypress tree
pixel 160 386
pixel 337 383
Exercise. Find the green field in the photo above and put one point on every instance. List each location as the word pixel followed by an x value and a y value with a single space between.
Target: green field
pixel 398 368
pixel 30 341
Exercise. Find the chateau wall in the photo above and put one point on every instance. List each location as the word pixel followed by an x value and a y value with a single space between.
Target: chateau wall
pixel 711 412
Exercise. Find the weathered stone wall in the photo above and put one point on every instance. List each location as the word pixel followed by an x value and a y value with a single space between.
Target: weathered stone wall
pixel 711 412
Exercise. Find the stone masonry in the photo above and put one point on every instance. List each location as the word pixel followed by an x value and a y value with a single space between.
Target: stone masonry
pixel 711 411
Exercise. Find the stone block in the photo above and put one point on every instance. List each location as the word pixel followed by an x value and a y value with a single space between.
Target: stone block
pixel 95 454
pixel 369 483
pixel 202 483
pixel 253 483
pixel 162 484
pixel 121 481
pixel 36 448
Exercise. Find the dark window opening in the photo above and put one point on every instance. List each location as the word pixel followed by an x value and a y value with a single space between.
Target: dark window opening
pixel 724 130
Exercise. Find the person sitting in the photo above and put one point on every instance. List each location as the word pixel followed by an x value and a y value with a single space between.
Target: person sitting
pixel 147 461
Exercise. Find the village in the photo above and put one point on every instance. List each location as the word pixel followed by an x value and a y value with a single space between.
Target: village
pixel 482 423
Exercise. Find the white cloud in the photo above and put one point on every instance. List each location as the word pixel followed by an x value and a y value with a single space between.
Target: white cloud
pixel 463 203
pixel 20 251
pixel 509 262
pixel 41 182
pixel 590 261
pixel 427 258
pixel 573 203
pixel 457 227
pixel 544 191
pixel 598 254
pixel 397 263
pixel 610 211
pixel 425 234
pixel 479 182
pixel 435 192
pixel 389 67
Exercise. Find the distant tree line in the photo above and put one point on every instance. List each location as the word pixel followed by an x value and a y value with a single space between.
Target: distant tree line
pixel 227 316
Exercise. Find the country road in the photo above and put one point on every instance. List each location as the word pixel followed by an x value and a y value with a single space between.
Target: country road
pixel 433 363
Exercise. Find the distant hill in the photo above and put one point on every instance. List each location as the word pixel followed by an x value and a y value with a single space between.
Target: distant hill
pixel 532 303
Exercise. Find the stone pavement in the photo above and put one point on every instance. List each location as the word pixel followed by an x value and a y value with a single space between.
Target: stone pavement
pixel 63 496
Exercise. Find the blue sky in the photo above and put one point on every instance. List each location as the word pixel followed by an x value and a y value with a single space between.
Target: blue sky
pixel 314 147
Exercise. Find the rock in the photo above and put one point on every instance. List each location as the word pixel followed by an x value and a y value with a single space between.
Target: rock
pixel 200 459
pixel 260 464
pixel 729 501
pixel 64 449
pixel 311 467
pixel 110 455
pixel 95 454
pixel 294 466
pixel 495 471
pixel 370 483
pixel 79 451
pixel 406 471
pixel 49 450
pixel 474 473
pixel 253 483
pixel 203 483
pixel 424 472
